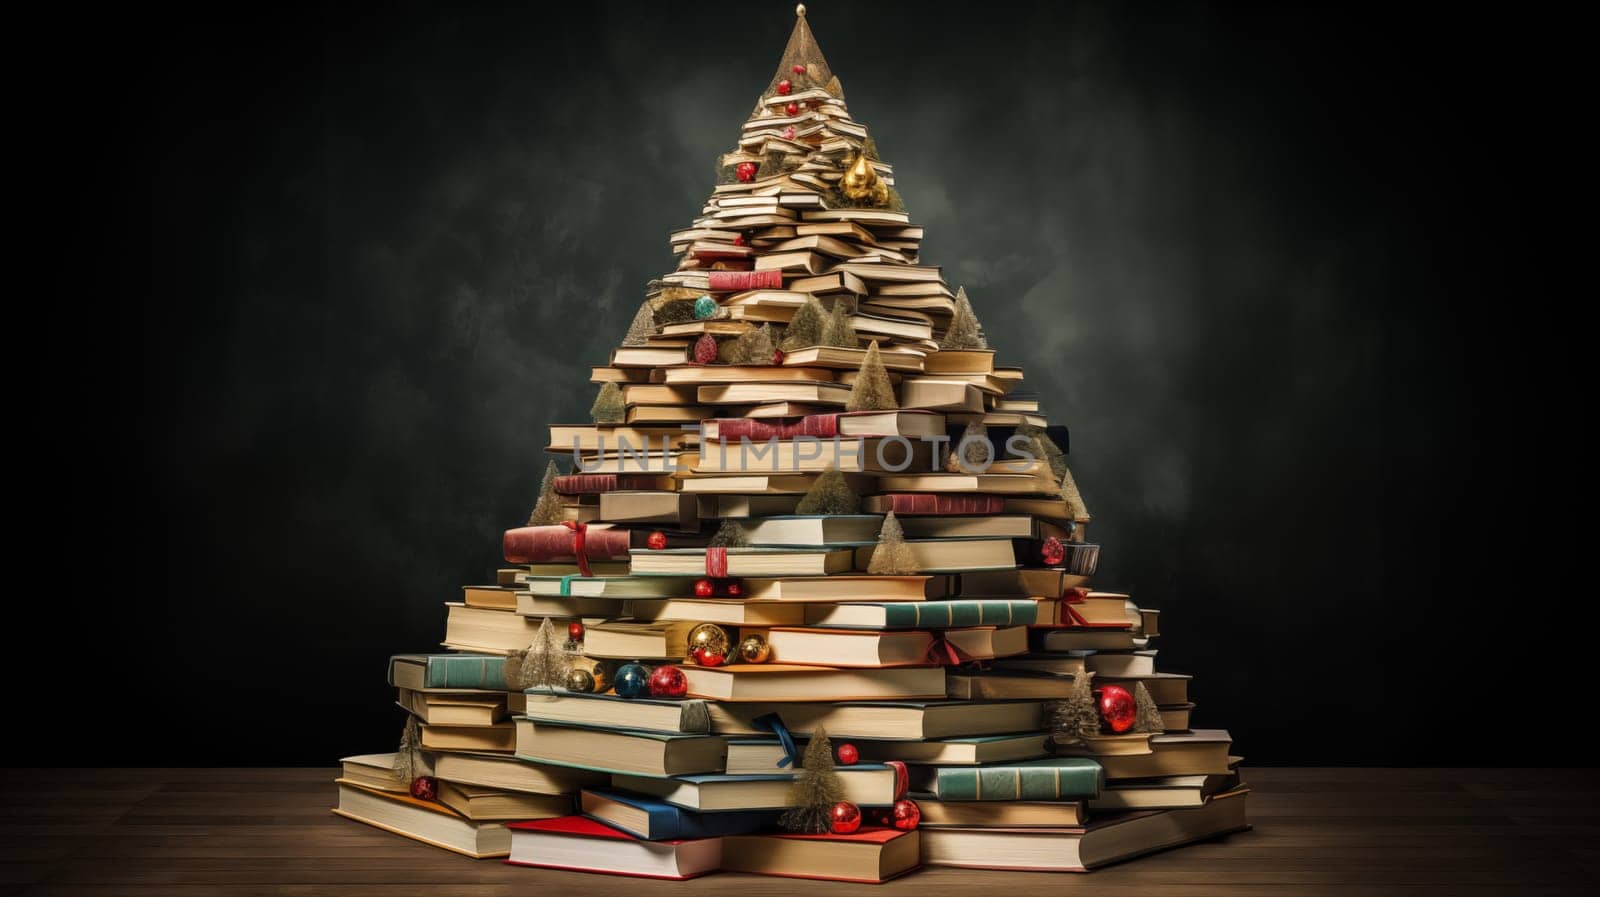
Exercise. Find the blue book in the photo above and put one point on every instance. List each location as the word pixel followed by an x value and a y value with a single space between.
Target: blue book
pixel 656 820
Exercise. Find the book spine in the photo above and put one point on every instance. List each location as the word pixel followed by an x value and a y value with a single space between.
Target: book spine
pixel 1017 783
pixel 722 281
pixel 585 483
pixel 923 503
pixel 466 671
pixel 824 426
pixel 545 544
pixel 950 614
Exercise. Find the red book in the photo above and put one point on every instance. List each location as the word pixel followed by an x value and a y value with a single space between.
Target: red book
pixel 581 844
pixel 586 483
pixel 728 281
pixel 906 504
pixel 822 426
pixel 868 856
pixel 554 544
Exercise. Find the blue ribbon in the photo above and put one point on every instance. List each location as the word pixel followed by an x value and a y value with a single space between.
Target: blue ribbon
pixel 774 724
pixel 566 585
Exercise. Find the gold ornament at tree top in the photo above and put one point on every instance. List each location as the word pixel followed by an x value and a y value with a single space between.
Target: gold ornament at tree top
pixel 861 183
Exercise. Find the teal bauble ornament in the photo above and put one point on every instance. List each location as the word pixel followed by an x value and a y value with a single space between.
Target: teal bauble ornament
pixel 632 681
pixel 704 307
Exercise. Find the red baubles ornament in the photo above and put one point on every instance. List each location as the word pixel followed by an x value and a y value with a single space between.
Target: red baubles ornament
pixel 907 815
pixel 1118 708
pixel 777 357
pixel 425 788
pixel 847 754
pixel 784 87
pixel 792 109
pixel 703 588
pixel 667 681
pixel 705 349
pixel 707 658
pixel 798 69
pixel 1052 552
pixel 738 239
pixel 846 817
pixel 656 540
pixel 788 133
pixel 575 631
pixel 733 590
pixel 745 171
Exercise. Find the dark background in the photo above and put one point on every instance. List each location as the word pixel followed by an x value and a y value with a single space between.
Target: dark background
pixel 315 281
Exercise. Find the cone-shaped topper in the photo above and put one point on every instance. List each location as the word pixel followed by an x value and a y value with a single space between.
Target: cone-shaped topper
pixel 802 64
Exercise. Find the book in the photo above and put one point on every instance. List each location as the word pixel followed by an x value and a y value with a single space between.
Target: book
pixel 610 586
pixel 1000 686
pixel 608 439
pixel 754 393
pixel 1026 582
pixel 644 714
pixel 466 672
pixel 1000 814
pixel 803 531
pixel 616 750
pixel 762 562
pixel 1165 688
pixel 795 484
pixel 731 281
pixel 868 856
pixel 584 845
pixel 951 555
pixel 784 682
pixel 1119 663
pixel 1051 778
pixel 993 526
pixel 648 356
pixel 478 629
pixel 653 819
pixel 594 483
pixel 1068 664
pixel 1100 639
pixel 986 642
pixel 375 772
pixel 499 738
pixel 1102 841
pixel 741 506
pixel 1201 752
pixel 1163 793
pixel 887 720
pixel 758 375
pixel 842 588
pixel 849 455
pixel 940 395
pixel 490 597
pixel 865 785
pixel 530 604
pixel 479 803
pixel 454 708
pixel 761 755
pixel 922 614
pixel 912 424
pixel 1003 483
pixel 543 544
pixel 725 612
pixel 506 773
pixel 420 820
pixel 962 361
pixel 634 641
pixel 850 647
pixel 847 359
pixel 673 509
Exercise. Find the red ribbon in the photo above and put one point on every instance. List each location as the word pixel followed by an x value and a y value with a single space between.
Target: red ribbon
pixel 579 548
pixel 716 562
pixel 1071 597
pixel 943 652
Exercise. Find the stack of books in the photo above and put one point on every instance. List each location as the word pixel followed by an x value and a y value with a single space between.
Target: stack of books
pixel 811 503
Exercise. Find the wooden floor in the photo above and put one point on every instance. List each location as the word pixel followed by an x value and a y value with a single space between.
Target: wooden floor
pixel 234 832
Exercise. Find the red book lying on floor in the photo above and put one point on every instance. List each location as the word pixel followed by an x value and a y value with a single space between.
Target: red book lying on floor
pixel 580 844
pixel 546 544
pixel 870 856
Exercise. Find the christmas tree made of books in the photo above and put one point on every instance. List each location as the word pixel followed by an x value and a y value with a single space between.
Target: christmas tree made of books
pixel 813 599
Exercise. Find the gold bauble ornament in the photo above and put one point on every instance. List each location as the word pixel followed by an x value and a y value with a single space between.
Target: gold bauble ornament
pixel 709 637
pixel 861 183
pixel 755 649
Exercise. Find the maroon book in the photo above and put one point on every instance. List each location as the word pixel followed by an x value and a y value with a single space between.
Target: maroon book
pixel 726 281
pixel 554 544
pixel 587 483
pixel 822 426
pixel 912 504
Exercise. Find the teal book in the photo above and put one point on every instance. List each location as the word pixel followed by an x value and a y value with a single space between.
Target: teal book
pixel 923 614
pixel 474 672
pixel 1053 778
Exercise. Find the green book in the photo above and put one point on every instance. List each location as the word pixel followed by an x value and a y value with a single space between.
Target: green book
pixel 923 614
pixel 470 672
pixel 1053 778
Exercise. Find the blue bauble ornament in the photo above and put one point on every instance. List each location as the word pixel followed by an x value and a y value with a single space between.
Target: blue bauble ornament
pixel 704 307
pixel 632 681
